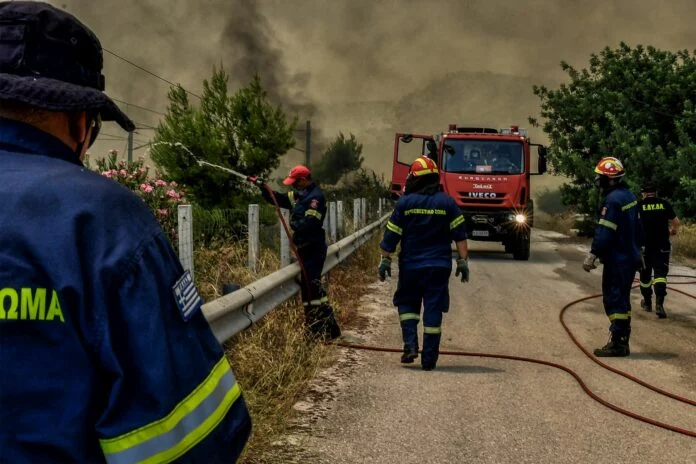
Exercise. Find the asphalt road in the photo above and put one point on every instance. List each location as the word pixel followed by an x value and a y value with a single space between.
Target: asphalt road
pixel 477 410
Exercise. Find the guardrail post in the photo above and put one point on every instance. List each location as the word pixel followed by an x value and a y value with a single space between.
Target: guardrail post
pixel 332 222
pixel 325 225
pixel 356 214
pixel 363 212
pixel 379 208
pixel 185 226
pixel 339 218
pixel 284 241
pixel 253 236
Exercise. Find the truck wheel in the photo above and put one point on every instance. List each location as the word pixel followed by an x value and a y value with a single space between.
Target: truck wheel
pixel 522 248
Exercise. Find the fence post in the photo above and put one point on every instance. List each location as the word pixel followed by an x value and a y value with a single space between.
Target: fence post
pixel 363 212
pixel 356 214
pixel 379 208
pixel 339 218
pixel 253 236
pixel 284 241
pixel 326 223
pixel 332 221
pixel 185 226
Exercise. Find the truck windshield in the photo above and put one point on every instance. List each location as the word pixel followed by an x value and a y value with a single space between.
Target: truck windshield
pixel 483 156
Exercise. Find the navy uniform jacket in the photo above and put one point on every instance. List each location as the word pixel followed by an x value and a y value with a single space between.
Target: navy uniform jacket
pixel 425 225
pixel 618 236
pixel 308 209
pixel 97 361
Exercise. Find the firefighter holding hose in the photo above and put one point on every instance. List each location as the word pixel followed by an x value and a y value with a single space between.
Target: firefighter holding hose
pixel 425 221
pixel 308 208
pixel 617 245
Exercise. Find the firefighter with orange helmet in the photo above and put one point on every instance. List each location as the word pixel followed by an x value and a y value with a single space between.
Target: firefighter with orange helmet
pixel 616 244
pixel 425 221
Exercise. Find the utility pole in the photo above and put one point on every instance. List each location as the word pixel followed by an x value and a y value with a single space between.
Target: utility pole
pixel 308 144
pixel 130 147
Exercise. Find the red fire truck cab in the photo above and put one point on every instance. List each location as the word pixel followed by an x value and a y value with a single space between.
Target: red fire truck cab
pixel 487 172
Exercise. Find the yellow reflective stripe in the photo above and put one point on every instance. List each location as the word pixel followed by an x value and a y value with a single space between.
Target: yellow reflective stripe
pixel 620 316
pixel 629 206
pixel 432 330
pixel 660 280
pixel 423 172
pixel 646 284
pixel 457 222
pixel 394 228
pixel 313 212
pixel 180 411
pixel 609 224
pixel 291 196
pixel 422 162
pixel 409 317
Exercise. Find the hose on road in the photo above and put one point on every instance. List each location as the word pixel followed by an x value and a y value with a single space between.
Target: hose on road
pixel 577 377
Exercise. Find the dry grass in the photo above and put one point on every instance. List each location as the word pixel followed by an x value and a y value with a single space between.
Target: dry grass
pixel 685 243
pixel 562 223
pixel 274 361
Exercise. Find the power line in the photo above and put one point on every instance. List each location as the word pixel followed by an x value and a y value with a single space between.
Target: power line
pixel 138 106
pixel 149 72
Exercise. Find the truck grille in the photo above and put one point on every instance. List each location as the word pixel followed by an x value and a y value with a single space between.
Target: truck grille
pixel 482 201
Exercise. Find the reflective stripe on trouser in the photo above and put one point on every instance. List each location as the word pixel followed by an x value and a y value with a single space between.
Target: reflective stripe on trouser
pixel 657 264
pixel 426 287
pixel 186 425
pixel 616 296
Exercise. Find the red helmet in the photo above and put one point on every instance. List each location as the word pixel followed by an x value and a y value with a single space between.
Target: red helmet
pixel 423 166
pixel 298 172
pixel 611 167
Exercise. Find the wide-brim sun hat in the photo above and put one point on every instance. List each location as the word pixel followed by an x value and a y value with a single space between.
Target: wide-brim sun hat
pixel 51 61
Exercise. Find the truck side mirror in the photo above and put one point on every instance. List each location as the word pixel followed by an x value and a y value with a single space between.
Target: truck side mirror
pixel 542 151
pixel 408 138
pixel 542 162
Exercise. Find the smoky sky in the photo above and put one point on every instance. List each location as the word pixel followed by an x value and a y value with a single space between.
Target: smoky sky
pixel 372 67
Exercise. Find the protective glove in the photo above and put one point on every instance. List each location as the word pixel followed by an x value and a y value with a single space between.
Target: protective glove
pixel 384 268
pixel 463 269
pixel 589 262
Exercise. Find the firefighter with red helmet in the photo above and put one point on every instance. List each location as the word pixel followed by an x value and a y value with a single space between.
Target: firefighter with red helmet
pixel 425 221
pixel 616 244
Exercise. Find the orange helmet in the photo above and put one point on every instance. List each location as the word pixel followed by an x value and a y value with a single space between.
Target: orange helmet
pixel 423 166
pixel 611 167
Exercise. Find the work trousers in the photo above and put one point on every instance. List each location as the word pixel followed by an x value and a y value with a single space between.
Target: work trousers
pixel 429 288
pixel 655 272
pixel 617 281
pixel 319 316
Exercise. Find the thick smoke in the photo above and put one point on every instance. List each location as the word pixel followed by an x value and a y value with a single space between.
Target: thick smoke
pixel 369 67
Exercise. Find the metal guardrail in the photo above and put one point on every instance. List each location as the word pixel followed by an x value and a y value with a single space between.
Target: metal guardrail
pixel 237 311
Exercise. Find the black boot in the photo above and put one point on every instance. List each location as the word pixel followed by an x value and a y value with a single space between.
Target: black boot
pixel 617 347
pixel 409 355
pixel 646 304
pixel 660 307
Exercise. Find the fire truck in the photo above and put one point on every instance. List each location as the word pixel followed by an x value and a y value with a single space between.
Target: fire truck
pixel 487 172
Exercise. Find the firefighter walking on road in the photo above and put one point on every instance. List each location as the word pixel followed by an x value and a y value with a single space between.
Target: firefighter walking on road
pixel 617 245
pixel 425 221
pixel 659 222
pixel 308 208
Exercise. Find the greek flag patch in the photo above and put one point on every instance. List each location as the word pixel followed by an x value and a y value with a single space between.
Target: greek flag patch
pixel 187 298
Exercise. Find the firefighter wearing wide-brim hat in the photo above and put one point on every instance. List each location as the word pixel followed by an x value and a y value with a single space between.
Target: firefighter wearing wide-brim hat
pixel 105 355
pixel 617 245
pixel 659 222
pixel 425 221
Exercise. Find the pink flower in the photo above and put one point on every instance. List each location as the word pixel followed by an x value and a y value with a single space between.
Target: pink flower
pixel 160 183
pixel 173 194
pixel 108 174
pixel 146 188
pixel 173 184
pixel 162 212
pixel 123 173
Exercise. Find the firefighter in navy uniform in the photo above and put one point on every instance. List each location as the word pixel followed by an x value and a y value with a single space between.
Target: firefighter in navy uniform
pixel 105 355
pixel 425 221
pixel 308 209
pixel 659 222
pixel 617 245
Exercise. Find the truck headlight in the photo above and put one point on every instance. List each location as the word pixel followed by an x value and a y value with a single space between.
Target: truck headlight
pixel 518 218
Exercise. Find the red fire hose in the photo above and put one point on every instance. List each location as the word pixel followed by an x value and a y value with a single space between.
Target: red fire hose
pixel 577 377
